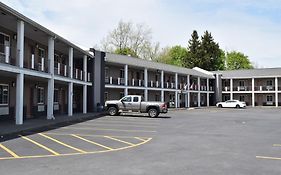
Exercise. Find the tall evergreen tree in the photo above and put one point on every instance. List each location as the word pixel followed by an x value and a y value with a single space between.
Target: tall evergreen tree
pixel 193 47
pixel 209 53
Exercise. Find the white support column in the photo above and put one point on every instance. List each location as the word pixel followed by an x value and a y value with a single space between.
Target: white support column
pixel 176 93
pixel 162 79
pixel 125 91
pixel 176 99
pixel 51 81
pixel 208 94
pixel 70 85
pixel 126 74
pixel 20 43
pixel 84 99
pixel 162 96
pixel 70 99
pixel 145 85
pixel 20 77
pixel 253 92
pixel 276 91
pixel 199 94
pixel 188 92
pixel 19 99
pixel 70 62
pixel 176 80
pixel 85 68
pixel 185 100
pixel 231 89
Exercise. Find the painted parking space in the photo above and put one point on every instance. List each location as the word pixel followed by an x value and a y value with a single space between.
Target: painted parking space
pixel 276 156
pixel 102 135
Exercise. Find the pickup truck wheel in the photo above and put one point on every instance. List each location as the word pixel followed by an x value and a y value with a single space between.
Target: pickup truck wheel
pixel 153 112
pixel 112 111
pixel 220 106
pixel 237 106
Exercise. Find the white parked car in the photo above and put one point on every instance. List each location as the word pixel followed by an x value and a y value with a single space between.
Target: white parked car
pixel 231 104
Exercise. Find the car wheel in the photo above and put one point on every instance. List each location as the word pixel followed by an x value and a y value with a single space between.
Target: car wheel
pixel 220 106
pixel 153 112
pixel 112 111
pixel 237 106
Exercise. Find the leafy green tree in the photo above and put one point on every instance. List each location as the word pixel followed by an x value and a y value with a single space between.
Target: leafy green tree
pixel 192 58
pixel 237 60
pixel 174 55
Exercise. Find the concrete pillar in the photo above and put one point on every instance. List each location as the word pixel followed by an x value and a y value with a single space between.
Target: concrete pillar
pixel 162 96
pixel 231 89
pixel 20 43
pixel 85 68
pixel 145 85
pixel 185 100
pixel 126 75
pixel 276 91
pixel 20 77
pixel 253 92
pixel 208 99
pixel 162 79
pixel 176 99
pixel 125 91
pixel 208 84
pixel 70 99
pixel 176 80
pixel 19 99
pixel 84 99
pixel 70 62
pixel 188 92
pixel 199 94
pixel 51 81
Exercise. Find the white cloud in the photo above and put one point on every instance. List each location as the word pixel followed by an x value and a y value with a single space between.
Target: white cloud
pixel 232 22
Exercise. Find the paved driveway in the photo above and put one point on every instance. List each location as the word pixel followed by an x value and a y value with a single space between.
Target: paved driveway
pixel 200 141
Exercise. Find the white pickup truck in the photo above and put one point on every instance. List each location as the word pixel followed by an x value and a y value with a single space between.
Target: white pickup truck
pixel 135 103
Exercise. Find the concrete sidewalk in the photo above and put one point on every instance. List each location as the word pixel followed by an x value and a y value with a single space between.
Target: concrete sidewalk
pixel 9 128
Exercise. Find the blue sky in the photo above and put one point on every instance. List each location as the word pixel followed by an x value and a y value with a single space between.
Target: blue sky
pixel 250 26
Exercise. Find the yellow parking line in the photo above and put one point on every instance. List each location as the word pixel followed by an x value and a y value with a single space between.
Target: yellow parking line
pixel 122 141
pixel 270 158
pixel 139 139
pixel 64 144
pixel 9 151
pixel 106 129
pixel 40 145
pixel 103 124
pixel 72 154
pixel 89 141
pixel 276 144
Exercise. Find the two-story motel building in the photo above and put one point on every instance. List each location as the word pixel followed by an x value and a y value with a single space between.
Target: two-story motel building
pixel 44 75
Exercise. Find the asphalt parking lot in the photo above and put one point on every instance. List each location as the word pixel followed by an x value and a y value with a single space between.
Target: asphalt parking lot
pixel 199 141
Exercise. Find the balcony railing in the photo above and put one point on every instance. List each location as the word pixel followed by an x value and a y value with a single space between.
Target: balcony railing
pixel 242 88
pixel 226 88
pixel 78 74
pixel 5 55
pixel 264 88
pixel 61 69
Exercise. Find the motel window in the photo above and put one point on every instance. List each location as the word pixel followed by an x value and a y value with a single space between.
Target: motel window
pixel 4 94
pixel 56 95
pixel 241 83
pixel 122 73
pixel 106 96
pixel 138 75
pixel 269 83
pixel 40 95
pixel 242 98
pixel 41 53
pixel 269 98
pixel 106 72
pixel 121 95
pixel 4 42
